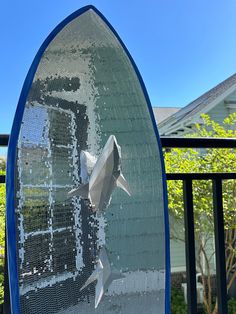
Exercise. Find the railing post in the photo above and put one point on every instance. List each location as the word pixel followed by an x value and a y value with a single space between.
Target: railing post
pixel 190 246
pixel 220 247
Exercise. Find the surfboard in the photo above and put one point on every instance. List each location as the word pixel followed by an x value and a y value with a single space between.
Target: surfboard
pixel 87 222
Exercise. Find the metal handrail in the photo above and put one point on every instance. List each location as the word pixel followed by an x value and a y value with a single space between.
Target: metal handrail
pixel 4 138
pixel 181 142
pixel 198 142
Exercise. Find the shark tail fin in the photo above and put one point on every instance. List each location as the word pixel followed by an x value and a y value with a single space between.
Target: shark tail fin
pixel 81 191
pixel 123 184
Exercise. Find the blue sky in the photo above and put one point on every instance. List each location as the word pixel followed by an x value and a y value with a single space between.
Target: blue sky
pixel 181 47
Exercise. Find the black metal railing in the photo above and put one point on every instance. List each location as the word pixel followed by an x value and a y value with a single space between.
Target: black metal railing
pixel 218 214
pixel 187 179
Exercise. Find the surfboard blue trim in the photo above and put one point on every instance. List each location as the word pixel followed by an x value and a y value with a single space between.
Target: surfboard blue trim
pixel 12 154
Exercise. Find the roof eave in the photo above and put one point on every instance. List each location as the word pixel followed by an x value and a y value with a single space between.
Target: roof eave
pixel 165 125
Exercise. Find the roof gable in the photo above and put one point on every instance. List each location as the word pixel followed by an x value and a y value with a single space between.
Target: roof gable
pixel 203 103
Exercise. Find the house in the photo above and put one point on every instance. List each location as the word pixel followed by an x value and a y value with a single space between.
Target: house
pixel 218 103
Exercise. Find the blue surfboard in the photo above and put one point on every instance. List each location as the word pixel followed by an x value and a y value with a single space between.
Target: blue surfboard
pixel 87 221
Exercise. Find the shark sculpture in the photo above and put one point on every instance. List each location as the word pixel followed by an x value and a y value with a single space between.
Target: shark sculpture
pixel 100 177
pixel 103 275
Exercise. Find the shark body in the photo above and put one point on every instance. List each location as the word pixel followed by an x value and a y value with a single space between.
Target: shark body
pixel 105 176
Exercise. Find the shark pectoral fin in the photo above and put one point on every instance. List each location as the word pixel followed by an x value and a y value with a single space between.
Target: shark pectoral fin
pixel 93 277
pixel 81 191
pixel 122 183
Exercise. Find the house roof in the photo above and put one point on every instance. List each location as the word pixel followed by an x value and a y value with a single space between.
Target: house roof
pixel 200 103
pixel 161 113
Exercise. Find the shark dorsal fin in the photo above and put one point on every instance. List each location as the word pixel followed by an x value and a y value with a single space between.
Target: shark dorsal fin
pixel 122 183
pixel 87 163
pixel 81 191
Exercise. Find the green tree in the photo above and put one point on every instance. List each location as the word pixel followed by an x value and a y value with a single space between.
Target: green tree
pixel 213 160
pixel 2 226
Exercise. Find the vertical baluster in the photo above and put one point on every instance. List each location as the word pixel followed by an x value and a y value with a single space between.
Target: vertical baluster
pixel 219 246
pixel 190 246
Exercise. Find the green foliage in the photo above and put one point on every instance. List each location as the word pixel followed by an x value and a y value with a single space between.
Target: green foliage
pixel 1 284
pixel 2 218
pixel 2 226
pixel 2 166
pixel 210 160
pixel 178 305
pixel 214 160
pixel 232 306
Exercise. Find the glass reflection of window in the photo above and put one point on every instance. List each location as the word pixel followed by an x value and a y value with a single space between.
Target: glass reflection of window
pixel 47 232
